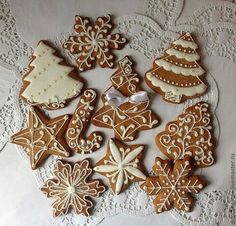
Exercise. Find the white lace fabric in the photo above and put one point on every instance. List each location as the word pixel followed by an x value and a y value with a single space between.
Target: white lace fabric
pixel 213 24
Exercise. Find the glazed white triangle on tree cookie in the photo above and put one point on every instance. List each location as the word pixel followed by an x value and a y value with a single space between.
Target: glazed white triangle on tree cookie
pixel 50 82
pixel 177 75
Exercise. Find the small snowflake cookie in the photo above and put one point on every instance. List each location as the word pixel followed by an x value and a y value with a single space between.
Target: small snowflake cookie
pixel 191 134
pixel 177 75
pixel 173 185
pixel 121 165
pixel 50 81
pixel 71 188
pixel 78 123
pixel 94 42
pixel 43 137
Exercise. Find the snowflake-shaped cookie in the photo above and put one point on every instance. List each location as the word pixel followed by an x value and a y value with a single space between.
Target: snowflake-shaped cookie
pixel 71 189
pixel 173 186
pixel 121 165
pixel 93 42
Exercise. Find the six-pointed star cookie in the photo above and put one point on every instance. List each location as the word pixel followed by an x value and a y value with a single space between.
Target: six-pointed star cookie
pixel 43 137
pixel 121 165
pixel 173 185
pixel 71 188
pixel 94 42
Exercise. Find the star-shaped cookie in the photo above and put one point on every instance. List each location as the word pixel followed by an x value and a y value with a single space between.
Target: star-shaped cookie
pixel 43 137
pixel 121 165
pixel 173 185
pixel 71 188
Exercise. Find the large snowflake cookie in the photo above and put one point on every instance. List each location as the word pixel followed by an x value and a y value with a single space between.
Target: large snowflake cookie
pixel 177 75
pixel 191 134
pixel 173 185
pixel 94 42
pixel 71 188
pixel 50 81
pixel 125 105
pixel 121 165
pixel 78 123
pixel 43 137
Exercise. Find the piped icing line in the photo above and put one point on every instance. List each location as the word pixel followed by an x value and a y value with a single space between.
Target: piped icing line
pixel 187 91
pixel 183 55
pixel 178 69
pixel 186 44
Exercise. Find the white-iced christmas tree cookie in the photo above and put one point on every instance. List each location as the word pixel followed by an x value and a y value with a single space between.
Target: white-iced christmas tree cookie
pixel 50 82
pixel 177 75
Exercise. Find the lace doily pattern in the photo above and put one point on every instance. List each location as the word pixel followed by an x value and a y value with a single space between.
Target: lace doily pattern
pixel 214 27
pixel 14 52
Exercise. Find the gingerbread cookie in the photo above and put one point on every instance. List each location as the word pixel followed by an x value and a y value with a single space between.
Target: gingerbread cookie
pixel 94 42
pixel 173 185
pixel 177 75
pixel 43 137
pixel 125 79
pixel 125 115
pixel 126 106
pixel 121 165
pixel 190 135
pixel 71 188
pixel 78 123
pixel 50 82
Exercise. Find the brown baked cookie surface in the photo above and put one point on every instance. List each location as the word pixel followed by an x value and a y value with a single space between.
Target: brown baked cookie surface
pixel 173 185
pixel 177 75
pixel 43 137
pixel 191 134
pixel 72 189
pixel 80 120
pixel 94 42
pixel 125 105
pixel 121 165
pixel 50 81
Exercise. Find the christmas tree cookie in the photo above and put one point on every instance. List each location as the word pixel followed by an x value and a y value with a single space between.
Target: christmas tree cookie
pixel 177 75
pixel 191 134
pixel 50 82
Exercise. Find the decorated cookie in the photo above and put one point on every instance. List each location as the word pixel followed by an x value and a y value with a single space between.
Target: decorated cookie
pixel 50 82
pixel 125 104
pixel 94 42
pixel 125 115
pixel 78 123
pixel 43 137
pixel 71 188
pixel 125 79
pixel 190 135
pixel 177 75
pixel 121 165
pixel 173 185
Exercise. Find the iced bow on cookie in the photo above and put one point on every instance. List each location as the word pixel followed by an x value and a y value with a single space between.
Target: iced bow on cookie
pixel 125 104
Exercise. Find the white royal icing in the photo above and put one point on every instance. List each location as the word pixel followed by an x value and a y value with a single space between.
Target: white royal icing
pixel 178 69
pixel 187 91
pixel 186 44
pixel 49 80
pixel 122 165
pixel 183 55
